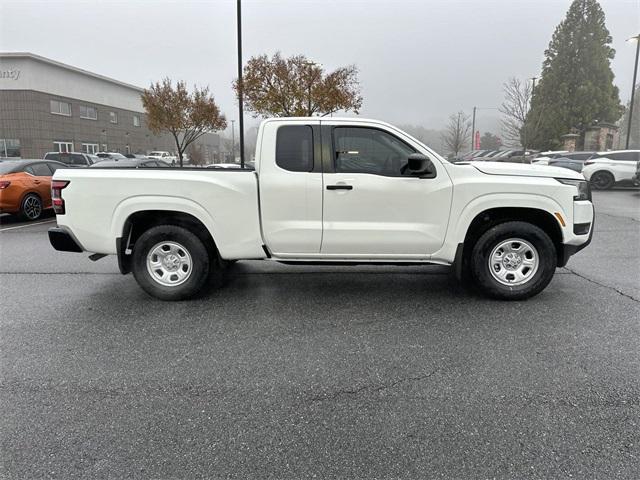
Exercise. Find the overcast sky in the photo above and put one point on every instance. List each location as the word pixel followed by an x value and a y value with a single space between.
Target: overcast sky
pixel 419 61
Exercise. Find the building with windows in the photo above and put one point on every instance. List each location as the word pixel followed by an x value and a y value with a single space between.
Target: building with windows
pixel 49 106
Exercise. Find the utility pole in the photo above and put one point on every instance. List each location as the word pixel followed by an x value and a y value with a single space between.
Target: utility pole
pixel 240 106
pixel 633 89
pixel 233 141
pixel 473 130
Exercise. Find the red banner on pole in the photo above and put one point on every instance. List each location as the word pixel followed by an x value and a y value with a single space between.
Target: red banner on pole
pixel 476 145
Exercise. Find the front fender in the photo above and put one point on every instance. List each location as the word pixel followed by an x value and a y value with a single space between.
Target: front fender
pixel 463 216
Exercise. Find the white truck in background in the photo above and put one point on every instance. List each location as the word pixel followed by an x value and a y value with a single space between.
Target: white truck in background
pixel 164 156
pixel 329 190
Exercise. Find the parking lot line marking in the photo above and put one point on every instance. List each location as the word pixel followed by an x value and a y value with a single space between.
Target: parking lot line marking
pixel 25 226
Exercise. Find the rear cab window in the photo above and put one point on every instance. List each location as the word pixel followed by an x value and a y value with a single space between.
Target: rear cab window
pixel 294 148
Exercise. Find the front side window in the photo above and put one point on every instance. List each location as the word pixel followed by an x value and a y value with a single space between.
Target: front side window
pixel 60 108
pixel 368 150
pixel 624 156
pixel 113 117
pixel 294 148
pixel 90 113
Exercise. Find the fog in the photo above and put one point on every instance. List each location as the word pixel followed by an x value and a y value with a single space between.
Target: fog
pixel 419 61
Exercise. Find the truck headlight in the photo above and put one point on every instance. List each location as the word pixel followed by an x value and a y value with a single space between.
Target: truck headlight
pixel 584 191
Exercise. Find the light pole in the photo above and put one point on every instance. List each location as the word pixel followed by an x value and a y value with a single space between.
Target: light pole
pixel 240 106
pixel 233 141
pixel 473 123
pixel 473 130
pixel 633 87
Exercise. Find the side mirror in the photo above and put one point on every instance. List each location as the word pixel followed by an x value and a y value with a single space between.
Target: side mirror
pixel 420 165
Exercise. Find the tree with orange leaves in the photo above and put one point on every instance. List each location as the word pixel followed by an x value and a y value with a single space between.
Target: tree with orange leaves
pixel 187 116
pixel 297 87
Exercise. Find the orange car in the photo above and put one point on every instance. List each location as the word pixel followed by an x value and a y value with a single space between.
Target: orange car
pixel 25 186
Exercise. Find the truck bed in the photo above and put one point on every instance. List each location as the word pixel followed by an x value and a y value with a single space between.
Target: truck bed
pixel 99 201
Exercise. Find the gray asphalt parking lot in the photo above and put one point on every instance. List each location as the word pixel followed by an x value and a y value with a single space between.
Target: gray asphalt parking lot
pixel 295 372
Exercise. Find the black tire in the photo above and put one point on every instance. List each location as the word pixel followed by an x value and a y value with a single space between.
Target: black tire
pixel 481 271
pixel 31 207
pixel 602 180
pixel 190 246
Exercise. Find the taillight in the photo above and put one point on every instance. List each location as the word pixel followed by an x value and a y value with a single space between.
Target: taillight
pixel 56 195
pixel 4 184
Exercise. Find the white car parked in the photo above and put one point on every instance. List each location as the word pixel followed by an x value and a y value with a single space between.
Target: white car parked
pixel 543 157
pixel 165 156
pixel 608 168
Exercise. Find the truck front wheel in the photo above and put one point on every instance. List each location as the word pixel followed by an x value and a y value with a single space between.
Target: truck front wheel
pixel 513 261
pixel 170 263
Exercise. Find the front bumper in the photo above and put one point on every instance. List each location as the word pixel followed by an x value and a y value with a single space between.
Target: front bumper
pixel 61 240
pixel 568 250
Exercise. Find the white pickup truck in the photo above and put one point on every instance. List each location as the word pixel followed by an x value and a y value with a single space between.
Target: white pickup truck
pixel 342 191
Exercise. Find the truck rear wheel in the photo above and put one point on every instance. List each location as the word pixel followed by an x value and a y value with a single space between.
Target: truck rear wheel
pixel 170 263
pixel 513 261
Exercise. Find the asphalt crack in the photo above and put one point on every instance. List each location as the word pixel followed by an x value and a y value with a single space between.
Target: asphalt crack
pixel 619 216
pixel 595 282
pixel 370 388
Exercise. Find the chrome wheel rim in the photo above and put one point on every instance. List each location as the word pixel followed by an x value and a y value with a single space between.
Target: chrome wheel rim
pixel 514 262
pixel 169 264
pixel 32 207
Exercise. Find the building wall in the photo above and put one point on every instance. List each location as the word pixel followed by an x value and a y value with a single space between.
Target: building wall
pixel 29 83
pixel 25 71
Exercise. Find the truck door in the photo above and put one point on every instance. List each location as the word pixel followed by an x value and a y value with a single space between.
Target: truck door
pixel 372 206
pixel 290 182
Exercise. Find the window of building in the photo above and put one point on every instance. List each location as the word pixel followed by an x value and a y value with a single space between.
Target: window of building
pixel 113 117
pixel 9 148
pixel 63 146
pixel 60 108
pixel 294 148
pixel 90 113
pixel 136 120
pixel 91 148
pixel 368 150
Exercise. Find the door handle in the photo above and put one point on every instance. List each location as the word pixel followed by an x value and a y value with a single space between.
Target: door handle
pixel 339 187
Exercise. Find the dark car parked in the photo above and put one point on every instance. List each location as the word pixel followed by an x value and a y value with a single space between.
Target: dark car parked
pixel 70 159
pixel 573 161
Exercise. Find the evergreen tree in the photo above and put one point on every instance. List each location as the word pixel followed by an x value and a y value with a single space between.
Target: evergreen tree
pixel 576 87
pixel 489 141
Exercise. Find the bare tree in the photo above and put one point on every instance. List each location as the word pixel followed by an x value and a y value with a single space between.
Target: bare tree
pixel 456 134
pixel 517 99
pixel 517 114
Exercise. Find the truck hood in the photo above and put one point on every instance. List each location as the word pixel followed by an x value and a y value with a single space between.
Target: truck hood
pixel 525 170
